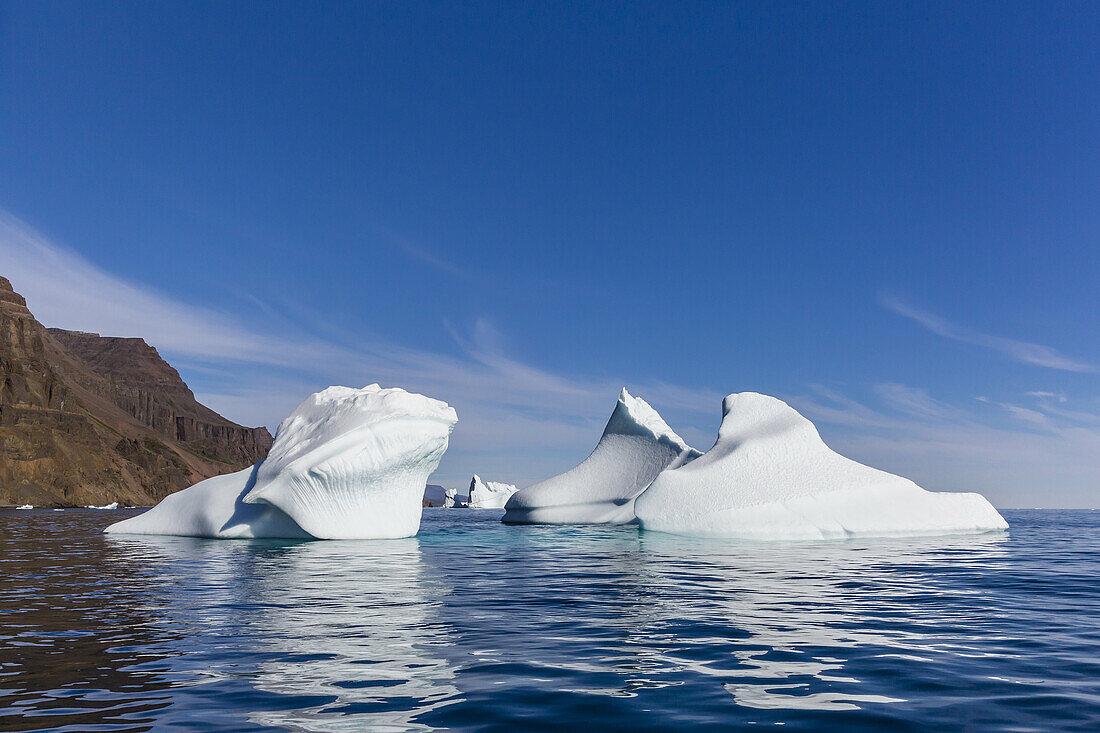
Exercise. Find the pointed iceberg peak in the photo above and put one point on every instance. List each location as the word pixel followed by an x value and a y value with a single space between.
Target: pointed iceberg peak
pixel 634 416
pixel 489 494
pixel 770 476
pixel 636 445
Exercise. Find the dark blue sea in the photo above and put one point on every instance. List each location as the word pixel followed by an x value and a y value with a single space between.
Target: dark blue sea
pixel 474 625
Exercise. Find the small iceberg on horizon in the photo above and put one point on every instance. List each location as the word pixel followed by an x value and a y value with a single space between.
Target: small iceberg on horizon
pixel 112 505
pixel 434 495
pixel 25 506
pixel 770 476
pixel 489 494
pixel 347 463
pixel 635 446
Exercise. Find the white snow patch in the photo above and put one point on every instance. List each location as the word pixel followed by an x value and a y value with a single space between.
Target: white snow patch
pixel 635 446
pixel 347 463
pixel 769 476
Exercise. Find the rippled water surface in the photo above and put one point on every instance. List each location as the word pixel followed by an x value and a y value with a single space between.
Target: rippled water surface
pixel 474 625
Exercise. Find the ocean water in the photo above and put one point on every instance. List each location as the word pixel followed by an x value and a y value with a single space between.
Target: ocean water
pixel 474 625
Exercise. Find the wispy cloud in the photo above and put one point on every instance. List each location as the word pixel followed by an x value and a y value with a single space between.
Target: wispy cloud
pixel 1048 396
pixel 424 255
pixel 517 422
pixel 65 290
pixel 914 402
pixel 520 423
pixel 1017 455
pixel 1021 351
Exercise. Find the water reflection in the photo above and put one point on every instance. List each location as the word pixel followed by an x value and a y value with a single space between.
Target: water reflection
pixel 478 625
pixel 345 630
pixel 650 611
pixel 357 623
pixel 70 653
pixel 800 608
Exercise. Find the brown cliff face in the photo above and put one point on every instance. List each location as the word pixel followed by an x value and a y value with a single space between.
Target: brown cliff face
pixel 86 419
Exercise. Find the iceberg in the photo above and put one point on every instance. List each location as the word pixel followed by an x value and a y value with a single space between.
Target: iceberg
pixel 434 495
pixel 112 505
pixel 25 506
pixel 449 498
pixel 213 508
pixel 770 476
pixel 489 494
pixel 635 446
pixel 347 463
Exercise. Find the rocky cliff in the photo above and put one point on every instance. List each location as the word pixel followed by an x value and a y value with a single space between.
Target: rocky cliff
pixel 87 419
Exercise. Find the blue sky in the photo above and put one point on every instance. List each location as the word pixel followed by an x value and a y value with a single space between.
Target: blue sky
pixel 886 215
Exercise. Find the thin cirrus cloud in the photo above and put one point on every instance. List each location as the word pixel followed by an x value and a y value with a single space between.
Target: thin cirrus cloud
pixel 256 372
pixel 1018 455
pixel 520 423
pixel 64 289
pixel 1021 351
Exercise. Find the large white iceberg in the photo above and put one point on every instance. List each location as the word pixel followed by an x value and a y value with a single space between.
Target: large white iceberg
pixel 489 494
pixel 347 463
pixel 635 446
pixel 769 476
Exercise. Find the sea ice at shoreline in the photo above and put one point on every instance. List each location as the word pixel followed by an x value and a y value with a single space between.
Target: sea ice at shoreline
pixel 769 476
pixel 347 463
pixel 635 446
pixel 489 494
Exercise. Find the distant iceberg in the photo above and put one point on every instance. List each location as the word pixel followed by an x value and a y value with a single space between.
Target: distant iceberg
pixel 449 498
pixel 112 505
pixel 434 495
pixel 25 506
pixel 635 446
pixel 347 463
pixel 769 476
pixel 489 494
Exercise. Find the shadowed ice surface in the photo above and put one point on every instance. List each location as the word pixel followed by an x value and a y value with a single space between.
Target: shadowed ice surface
pixel 475 625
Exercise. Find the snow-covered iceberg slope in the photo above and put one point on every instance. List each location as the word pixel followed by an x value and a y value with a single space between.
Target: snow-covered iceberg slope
pixel 347 463
pixel 769 476
pixel 635 446
pixel 489 494
pixel 213 508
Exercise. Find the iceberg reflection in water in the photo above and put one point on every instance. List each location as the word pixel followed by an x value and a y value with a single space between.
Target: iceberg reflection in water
pixel 343 628
pixel 796 606
pixel 478 625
